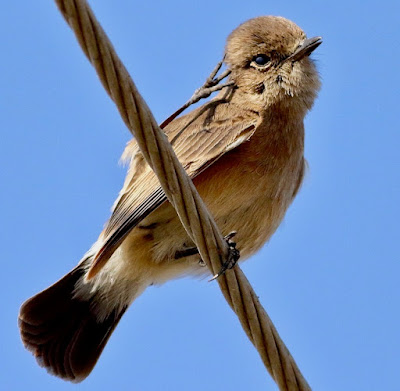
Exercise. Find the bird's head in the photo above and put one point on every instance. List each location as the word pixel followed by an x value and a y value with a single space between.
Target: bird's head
pixel 269 61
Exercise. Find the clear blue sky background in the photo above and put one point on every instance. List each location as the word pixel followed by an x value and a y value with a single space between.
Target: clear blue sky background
pixel 330 276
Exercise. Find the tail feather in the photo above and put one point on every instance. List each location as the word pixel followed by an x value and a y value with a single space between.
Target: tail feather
pixel 63 332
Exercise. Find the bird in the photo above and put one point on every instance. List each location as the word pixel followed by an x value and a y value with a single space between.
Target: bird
pixel 243 149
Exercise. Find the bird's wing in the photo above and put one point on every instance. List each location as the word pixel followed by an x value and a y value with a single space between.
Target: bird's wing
pixel 199 139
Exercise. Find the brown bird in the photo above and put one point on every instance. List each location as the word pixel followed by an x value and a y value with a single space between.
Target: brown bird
pixel 244 150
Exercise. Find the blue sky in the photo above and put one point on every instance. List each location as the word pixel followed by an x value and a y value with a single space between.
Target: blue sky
pixel 329 278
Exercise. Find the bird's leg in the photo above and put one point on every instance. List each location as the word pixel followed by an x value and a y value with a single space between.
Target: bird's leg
pixel 233 255
pixel 211 85
pixel 187 252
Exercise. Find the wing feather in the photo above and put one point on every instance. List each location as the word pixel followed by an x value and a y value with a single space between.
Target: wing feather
pixel 199 139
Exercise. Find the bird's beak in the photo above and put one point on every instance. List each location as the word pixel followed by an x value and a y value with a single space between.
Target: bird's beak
pixel 305 49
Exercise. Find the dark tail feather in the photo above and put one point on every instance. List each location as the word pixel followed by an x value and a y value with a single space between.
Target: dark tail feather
pixel 62 332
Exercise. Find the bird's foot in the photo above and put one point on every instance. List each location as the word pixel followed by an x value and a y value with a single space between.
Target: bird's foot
pixel 233 256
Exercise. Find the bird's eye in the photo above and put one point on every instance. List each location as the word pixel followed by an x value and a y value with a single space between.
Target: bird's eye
pixel 261 59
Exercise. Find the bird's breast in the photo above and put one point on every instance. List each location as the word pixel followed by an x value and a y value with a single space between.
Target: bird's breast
pixel 249 189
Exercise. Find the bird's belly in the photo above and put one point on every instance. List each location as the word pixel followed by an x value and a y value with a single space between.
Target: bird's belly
pixel 245 198
pixel 249 198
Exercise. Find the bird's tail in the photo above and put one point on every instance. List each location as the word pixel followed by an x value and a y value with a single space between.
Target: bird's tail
pixel 63 332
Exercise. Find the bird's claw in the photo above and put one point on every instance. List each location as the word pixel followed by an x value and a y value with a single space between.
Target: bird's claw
pixel 233 256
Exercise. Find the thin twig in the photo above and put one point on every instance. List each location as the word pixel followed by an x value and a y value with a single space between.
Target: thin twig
pixel 211 85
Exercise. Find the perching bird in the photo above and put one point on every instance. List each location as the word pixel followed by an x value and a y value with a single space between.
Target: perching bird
pixel 244 150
